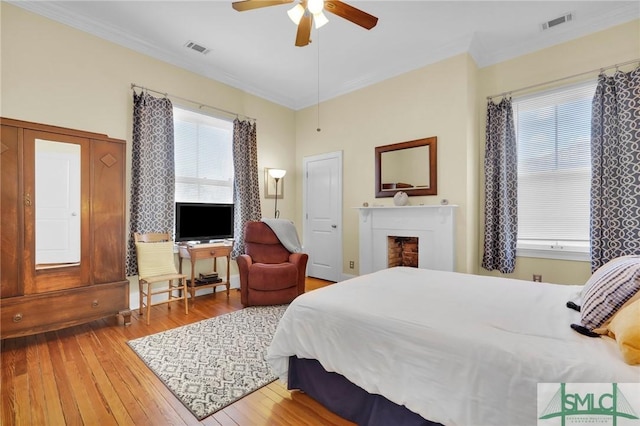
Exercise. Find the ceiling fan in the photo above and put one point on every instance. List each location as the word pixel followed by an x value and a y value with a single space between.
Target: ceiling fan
pixel 312 10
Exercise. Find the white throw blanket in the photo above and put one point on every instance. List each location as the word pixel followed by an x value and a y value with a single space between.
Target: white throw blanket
pixel 286 232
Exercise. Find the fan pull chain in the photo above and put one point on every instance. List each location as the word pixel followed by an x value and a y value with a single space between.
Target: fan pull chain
pixel 318 129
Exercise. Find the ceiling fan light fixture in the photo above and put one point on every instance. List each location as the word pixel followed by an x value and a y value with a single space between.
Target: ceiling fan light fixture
pixel 306 11
pixel 295 13
pixel 319 19
pixel 315 6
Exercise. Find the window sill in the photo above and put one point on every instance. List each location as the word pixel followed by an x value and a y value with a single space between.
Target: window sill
pixel 581 256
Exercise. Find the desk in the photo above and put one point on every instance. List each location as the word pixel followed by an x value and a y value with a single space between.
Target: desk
pixel 205 251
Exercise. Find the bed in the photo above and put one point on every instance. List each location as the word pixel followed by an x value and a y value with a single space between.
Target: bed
pixel 451 348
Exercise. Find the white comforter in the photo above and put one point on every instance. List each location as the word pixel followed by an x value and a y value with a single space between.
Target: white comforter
pixel 455 348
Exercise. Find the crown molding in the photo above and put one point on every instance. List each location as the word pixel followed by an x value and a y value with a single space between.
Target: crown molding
pixel 471 43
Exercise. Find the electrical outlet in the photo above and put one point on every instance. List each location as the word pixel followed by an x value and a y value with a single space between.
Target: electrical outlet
pixel 351 264
pixel 537 278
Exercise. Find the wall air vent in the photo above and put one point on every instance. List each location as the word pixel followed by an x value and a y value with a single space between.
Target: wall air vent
pixel 197 47
pixel 567 17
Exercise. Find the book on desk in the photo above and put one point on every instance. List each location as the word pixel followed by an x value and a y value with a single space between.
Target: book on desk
pixel 204 279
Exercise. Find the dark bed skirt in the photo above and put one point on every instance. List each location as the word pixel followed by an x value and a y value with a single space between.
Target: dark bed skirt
pixel 347 400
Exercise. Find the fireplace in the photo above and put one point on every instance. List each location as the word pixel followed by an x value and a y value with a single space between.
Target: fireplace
pixel 402 251
pixel 428 232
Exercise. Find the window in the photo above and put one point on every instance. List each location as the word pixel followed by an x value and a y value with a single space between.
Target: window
pixel 203 157
pixel 553 131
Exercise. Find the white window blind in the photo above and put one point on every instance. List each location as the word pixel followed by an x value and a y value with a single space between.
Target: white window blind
pixel 203 157
pixel 554 170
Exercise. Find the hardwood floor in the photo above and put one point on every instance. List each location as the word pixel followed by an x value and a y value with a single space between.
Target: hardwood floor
pixel 87 375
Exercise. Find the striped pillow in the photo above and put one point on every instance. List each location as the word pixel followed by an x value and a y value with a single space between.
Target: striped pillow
pixel 608 289
pixel 603 270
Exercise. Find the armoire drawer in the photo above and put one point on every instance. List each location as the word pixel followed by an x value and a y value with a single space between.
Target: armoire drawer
pixel 26 315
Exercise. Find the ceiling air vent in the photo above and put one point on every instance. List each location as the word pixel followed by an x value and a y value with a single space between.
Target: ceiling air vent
pixel 197 47
pixel 567 17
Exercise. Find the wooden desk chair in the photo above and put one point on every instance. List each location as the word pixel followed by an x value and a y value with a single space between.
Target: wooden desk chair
pixel 156 264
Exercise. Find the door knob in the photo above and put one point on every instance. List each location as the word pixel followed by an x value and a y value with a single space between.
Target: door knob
pixel 334 226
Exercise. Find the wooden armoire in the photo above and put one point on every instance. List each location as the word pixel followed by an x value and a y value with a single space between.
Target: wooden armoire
pixel 37 295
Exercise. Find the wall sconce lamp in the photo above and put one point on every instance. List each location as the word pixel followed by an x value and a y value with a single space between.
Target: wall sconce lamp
pixel 277 174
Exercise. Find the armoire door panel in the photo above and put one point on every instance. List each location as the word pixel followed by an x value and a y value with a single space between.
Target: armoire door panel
pixel 54 279
pixel 39 278
pixel 107 165
pixel 10 213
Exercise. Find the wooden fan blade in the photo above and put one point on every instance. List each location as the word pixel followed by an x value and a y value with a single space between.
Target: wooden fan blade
pixel 351 13
pixel 303 37
pixel 241 6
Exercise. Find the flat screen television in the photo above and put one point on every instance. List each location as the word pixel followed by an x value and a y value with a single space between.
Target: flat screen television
pixel 203 222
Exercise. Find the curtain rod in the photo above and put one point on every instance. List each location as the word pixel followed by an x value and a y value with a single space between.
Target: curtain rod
pixel 200 104
pixel 563 78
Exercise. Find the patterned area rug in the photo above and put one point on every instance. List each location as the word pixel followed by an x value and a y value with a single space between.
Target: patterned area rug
pixel 212 363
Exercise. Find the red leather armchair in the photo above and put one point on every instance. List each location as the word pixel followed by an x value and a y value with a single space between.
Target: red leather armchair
pixel 269 273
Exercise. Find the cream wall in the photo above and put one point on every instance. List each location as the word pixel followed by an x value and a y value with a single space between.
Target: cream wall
pixel 472 167
pixel 55 74
pixel 612 46
pixel 447 100
pixel 432 101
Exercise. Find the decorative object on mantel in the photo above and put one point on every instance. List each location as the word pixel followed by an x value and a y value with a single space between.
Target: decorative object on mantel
pixel 365 204
pixel 444 201
pixel 401 198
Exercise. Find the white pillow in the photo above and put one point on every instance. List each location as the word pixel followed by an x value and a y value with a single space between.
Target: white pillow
pixel 155 259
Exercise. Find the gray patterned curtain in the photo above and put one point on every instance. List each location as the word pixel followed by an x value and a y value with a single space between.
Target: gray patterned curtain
pixel 246 189
pixel 152 170
pixel 500 189
pixel 615 167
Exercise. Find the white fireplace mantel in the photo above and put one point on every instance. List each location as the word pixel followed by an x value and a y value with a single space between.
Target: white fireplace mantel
pixel 433 225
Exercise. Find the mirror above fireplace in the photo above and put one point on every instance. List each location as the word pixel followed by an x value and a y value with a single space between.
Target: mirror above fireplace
pixel 410 167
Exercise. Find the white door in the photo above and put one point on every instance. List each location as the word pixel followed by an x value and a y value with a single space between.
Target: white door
pixel 322 199
pixel 57 202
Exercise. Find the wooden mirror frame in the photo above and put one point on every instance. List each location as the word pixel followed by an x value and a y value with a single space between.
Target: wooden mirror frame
pixel 431 144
